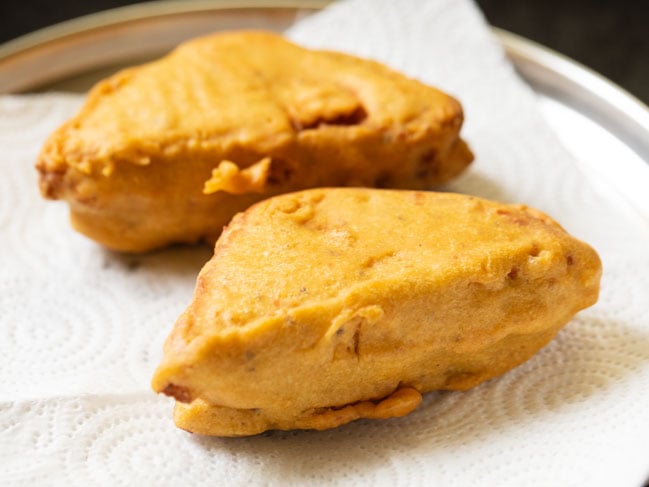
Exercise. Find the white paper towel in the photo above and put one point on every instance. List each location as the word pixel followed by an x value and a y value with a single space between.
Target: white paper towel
pixel 81 328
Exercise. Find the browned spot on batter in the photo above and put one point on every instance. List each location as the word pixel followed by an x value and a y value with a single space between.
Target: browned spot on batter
pixel 427 164
pixel 348 339
pixel 180 393
pixel 281 172
pixel 515 217
pixel 375 259
pixel 428 156
pixel 570 260
pixel 418 197
pixel 51 182
pixel 356 339
pixel 357 116
pixel 513 273
pixel 87 200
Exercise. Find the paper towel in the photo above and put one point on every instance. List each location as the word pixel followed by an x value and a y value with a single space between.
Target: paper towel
pixel 81 328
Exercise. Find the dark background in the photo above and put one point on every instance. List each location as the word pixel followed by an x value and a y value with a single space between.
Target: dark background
pixel 609 36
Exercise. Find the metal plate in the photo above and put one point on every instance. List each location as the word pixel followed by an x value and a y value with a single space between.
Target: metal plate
pixel 606 129
pixel 596 120
pixel 74 54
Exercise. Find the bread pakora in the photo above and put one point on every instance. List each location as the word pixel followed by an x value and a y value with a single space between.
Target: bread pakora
pixel 169 151
pixel 328 305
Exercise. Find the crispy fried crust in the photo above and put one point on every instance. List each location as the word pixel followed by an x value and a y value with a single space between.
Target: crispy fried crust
pixel 170 151
pixel 320 306
pixel 208 419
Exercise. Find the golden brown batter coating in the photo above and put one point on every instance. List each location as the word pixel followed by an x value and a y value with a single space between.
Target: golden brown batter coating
pixel 170 151
pixel 329 305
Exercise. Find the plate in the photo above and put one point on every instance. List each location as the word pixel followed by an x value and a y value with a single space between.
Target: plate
pixel 606 129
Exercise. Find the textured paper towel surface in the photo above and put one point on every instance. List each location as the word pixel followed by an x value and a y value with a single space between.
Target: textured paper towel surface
pixel 81 328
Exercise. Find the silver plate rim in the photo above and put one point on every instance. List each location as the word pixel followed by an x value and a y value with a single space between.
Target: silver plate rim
pixel 581 88
pixel 140 11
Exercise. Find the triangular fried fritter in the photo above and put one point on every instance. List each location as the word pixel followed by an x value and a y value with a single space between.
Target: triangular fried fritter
pixel 171 150
pixel 328 305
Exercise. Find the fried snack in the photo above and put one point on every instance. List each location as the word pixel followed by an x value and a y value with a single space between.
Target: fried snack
pixel 170 151
pixel 328 305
